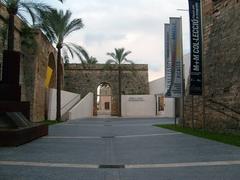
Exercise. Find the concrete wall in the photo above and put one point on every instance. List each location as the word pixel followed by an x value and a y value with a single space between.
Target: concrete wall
pixel 68 100
pixel 157 87
pixel 169 108
pixel 84 109
pixel 138 106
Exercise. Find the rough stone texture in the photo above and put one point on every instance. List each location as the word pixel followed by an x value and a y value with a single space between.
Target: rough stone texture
pixel 38 74
pixel 33 68
pixel 82 80
pixel 221 68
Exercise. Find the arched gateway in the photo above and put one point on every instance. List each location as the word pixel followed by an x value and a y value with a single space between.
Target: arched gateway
pixel 84 79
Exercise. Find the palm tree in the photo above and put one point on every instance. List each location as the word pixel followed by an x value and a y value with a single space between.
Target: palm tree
pixel 119 57
pixel 78 50
pixel 16 7
pixel 91 60
pixel 57 26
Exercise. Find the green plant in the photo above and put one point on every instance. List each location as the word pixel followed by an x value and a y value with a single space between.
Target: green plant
pixel 57 25
pixel 28 40
pixel 20 7
pixel 227 138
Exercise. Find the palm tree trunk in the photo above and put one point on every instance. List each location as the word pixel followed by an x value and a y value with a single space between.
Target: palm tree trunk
pixel 119 92
pixel 58 113
pixel 11 32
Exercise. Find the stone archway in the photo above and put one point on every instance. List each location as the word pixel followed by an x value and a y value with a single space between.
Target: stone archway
pixel 104 99
pixel 84 79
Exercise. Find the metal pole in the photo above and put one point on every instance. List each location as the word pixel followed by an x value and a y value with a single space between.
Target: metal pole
pixel 193 112
pixel 175 120
pixel 203 79
pixel 183 83
pixel 183 120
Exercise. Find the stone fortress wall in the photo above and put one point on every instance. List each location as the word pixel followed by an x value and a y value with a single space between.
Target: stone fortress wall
pixel 33 67
pixel 221 68
pixel 82 80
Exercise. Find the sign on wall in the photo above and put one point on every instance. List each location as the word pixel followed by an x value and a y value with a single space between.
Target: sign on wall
pixel 196 47
pixel 173 58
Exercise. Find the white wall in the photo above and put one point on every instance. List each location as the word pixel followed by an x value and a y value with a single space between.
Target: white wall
pixel 83 109
pixel 169 108
pixel 138 106
pixel 157 87
pixel 68 100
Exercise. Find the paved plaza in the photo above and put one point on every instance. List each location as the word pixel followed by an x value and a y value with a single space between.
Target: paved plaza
pixel 119 149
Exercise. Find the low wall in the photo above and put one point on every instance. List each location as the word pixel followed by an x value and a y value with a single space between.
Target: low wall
pixel 138 106
pixel 169 108
pixel 83 109
pixel 68 100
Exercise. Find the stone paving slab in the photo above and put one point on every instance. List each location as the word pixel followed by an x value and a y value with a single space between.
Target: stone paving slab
pixel 170 149
pixel 190 173
pixel 60 150
pixel 76 150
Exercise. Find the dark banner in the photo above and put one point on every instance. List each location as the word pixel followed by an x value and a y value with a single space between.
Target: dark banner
pixel 196 47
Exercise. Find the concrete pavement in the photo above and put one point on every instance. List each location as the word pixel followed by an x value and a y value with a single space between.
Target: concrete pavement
pixel 119 149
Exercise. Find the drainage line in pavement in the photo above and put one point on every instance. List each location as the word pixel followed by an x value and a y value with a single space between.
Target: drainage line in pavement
pixel 106 166
pixel 108 137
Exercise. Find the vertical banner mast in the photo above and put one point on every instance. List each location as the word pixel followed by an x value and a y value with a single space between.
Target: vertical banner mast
pixel 196 77
pixel 174 63
pixel 173 58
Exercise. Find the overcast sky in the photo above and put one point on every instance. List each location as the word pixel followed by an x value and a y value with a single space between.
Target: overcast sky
pixel 136 25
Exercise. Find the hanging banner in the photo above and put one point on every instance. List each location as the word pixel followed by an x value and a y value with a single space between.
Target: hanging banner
pixel 196 47
pixel 176 57
pixel 168 62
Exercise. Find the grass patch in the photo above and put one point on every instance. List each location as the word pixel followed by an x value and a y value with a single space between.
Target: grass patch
pixel 52 122
pixel 220 137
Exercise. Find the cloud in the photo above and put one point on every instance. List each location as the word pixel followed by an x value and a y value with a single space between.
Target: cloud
pixel 100 38
pixel 136 25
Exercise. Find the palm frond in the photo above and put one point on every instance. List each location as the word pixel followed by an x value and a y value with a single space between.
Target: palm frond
pixel 74 25
pixel 69 48
pixel 129 61
pixel 12 7
pixel 34 9
pixel 92 60
pixel 22 17
pixel 80 50
pixel 59 24
pixel 125 54
pixel 112 55
pixel 77 50
pixel 119 56
pixel 111 61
